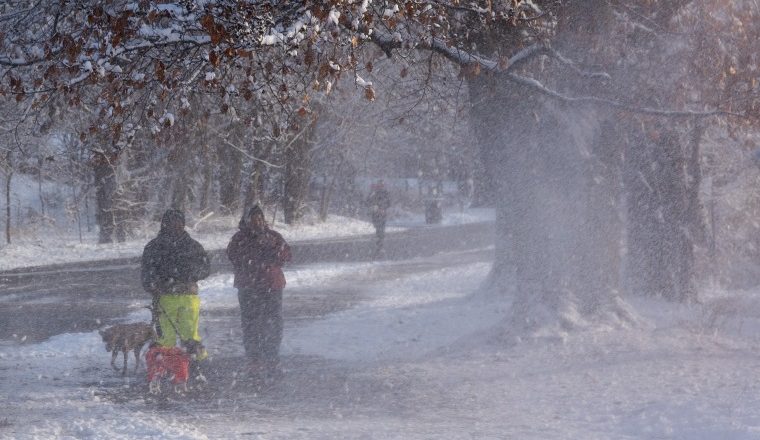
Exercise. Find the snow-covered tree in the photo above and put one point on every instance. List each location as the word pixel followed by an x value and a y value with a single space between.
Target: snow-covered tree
pixel 567 101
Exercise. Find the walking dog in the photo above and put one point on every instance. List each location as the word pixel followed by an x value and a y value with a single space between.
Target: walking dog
pixel 125 338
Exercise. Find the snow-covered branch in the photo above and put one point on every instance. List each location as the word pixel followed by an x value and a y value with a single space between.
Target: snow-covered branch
pixel 541 88
pixel 464 58
pixel 241 150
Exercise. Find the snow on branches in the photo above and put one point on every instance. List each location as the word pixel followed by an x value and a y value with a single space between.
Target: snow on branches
pixel 144 57
pixel 137 60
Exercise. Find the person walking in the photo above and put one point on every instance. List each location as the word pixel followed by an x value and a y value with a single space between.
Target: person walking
pixel 172 265
pixel 257 254
pixel 379 200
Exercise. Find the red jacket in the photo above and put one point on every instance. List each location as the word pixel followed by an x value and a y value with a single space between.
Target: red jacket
pixel 257 259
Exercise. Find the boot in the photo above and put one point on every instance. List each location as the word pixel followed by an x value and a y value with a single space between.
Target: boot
pixel 195 349
pixel 198 372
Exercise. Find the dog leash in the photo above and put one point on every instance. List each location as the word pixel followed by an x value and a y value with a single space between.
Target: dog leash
pixel 174 326
pixel 176 330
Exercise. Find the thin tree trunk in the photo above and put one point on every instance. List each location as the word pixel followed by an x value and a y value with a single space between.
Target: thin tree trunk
pixel 40 163
pixel 75 199
pixel 87 211
pixel 297 174
pixel 180 190
pixel 181 164
pixel 253 191
pixel 105 189
pixel 697 227
pixel 231 161
pixel 208 176
pixel 78 215
pixel 8 178
pixel 327 190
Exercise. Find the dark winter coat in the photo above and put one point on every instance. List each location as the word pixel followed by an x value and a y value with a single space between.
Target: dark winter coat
pixel 173 263
pixel 379 200
pixel 257 258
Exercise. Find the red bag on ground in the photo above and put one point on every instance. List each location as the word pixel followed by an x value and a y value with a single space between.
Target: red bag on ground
pixel 171 362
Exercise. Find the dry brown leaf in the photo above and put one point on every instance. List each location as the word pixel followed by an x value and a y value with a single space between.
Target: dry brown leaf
pixel 369 93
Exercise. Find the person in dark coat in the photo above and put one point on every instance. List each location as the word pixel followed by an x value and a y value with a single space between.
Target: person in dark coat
pixel 172 265
pixel 257 254
pixel 379 200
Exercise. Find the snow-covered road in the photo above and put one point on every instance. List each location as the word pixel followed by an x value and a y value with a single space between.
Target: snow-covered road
pixel 40 302
pixel 413 354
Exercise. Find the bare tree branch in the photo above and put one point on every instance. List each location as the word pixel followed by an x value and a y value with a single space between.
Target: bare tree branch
pixel 538 86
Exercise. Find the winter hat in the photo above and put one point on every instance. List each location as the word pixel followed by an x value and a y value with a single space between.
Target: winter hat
pixel 172 217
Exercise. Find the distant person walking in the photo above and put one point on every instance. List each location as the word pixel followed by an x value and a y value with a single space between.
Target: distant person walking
pixel 257 254
pixel 379 200
pixel 172 265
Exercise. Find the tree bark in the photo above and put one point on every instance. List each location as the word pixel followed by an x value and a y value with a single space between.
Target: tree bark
pixel 694 208
pixel 181 184
pixel 296 182
pixel 329 188
pixel 255 189
pixel 40 194
pixel 297 175
pixel 8 179
pixel 105 188
pixel 660 258
pixel 485 115
pixel 558 226
pixel 231 162
pixel 208 174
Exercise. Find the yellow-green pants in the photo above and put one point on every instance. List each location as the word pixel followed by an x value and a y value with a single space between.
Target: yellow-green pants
pixel 178 313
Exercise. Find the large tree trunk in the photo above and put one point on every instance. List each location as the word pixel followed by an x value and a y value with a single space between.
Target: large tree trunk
pixel 484 191
pixel 487 115
pixel 604 228
pixel 558 226
pixel 660 243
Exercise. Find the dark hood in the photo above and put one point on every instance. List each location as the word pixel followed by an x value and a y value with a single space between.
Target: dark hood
pixel 255 209
pixel 172 216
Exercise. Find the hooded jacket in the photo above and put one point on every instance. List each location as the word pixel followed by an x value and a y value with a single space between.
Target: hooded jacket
pixel 379 200
pixel 258 257
pixel 173 262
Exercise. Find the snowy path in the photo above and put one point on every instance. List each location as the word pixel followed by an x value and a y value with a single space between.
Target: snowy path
pixel 410 355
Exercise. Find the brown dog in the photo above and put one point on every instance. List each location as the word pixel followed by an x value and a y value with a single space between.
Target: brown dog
pixel 125 338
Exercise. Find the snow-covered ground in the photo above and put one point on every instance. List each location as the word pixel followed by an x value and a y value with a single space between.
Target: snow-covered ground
pixel 52 248
pixel 451 216
pixel 420 356
pixel 55 237
pixel 41 246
